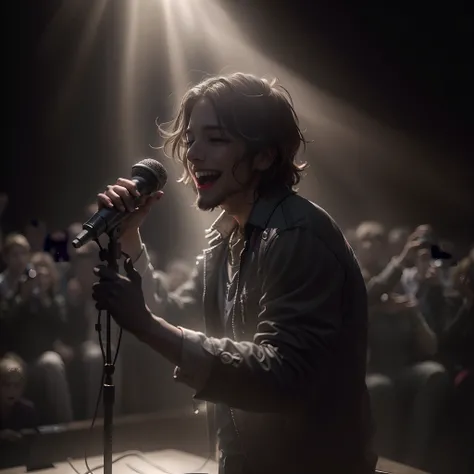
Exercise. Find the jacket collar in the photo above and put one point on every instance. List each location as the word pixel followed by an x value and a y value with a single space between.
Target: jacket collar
pixel 259 215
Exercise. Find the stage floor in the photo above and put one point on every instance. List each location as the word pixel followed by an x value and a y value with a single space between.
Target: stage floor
pixel 168 461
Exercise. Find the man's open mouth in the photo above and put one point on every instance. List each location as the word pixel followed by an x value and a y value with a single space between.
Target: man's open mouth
pixel 206 179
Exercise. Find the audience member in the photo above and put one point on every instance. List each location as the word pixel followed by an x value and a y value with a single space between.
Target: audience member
pixel 423 283
pixel 371 247
pixel 16 413
pixel 16 254
pixel 407 386
pixel 387 279
pixel 457 350
pixel 35 324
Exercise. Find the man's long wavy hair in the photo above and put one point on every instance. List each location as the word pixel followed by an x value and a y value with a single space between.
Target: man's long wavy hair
pixel 257 111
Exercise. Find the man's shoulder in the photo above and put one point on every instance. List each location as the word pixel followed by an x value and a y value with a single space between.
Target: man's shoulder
pixel 299 212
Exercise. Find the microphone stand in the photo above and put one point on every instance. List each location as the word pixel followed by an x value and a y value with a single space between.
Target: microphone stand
pixel 112 255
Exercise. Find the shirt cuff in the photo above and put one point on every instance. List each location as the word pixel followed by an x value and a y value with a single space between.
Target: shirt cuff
pixel 142 263
pixel 196 359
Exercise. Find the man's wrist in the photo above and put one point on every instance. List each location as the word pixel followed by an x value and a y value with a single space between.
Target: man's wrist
pixel 163 337
pixel 143 330
pixel 131 243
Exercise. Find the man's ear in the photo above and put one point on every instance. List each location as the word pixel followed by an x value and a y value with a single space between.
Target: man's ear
pixel 264 159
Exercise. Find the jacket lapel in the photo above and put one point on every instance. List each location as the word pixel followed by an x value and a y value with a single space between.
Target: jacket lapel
pixel 213 261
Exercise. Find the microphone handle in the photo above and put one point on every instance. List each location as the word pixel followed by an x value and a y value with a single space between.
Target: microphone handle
pixel 107 219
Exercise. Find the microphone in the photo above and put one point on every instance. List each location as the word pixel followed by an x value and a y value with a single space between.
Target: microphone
pixel 149 176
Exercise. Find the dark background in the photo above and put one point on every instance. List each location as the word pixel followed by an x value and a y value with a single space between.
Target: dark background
pixel 407 66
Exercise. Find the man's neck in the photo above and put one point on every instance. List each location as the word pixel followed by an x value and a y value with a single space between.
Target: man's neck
pixel 241 209
pixel 241 221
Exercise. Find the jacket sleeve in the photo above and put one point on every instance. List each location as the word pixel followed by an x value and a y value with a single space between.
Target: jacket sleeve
pixel 299 320
pixel 181 307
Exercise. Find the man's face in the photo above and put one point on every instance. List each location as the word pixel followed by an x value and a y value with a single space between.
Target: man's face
pixel 370 252
pixel 17 259
pixel 44 279
pixel 211 159
pixel 11 387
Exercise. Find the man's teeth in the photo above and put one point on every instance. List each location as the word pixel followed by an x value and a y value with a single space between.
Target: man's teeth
pixel 200 174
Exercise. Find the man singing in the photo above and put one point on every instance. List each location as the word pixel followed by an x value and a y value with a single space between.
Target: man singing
pixel 283 349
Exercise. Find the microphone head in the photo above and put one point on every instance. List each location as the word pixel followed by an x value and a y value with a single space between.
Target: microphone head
pixel 152 172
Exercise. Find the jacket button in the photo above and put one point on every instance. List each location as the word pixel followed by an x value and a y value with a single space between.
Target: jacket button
pixel 226 358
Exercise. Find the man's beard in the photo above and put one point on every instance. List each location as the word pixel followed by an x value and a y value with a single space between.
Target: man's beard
pixel 209 205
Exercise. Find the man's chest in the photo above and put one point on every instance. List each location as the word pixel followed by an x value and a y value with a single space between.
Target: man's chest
pixel 231 301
